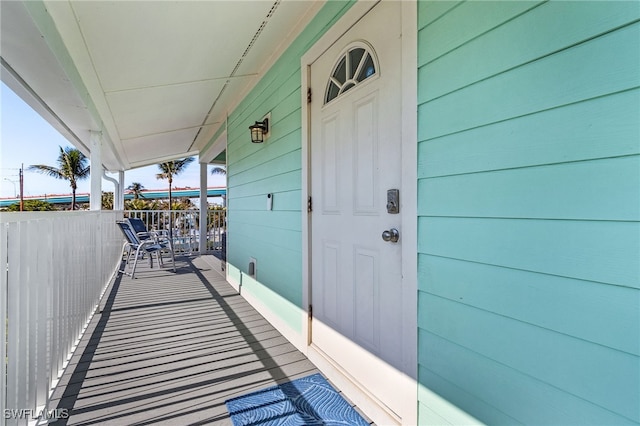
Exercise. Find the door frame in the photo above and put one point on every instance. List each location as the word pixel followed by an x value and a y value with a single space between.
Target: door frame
pixel 408 196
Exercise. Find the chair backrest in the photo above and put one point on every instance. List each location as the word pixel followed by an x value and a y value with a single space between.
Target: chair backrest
pixel 129 233
pixel 137 224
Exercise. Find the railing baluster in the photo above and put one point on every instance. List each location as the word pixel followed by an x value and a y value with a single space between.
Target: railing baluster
pixel 4 244
pixel 43 374
pixel 53 269
pixel 22 290
pixel 13 275
pixel 39 287
pixel 184 227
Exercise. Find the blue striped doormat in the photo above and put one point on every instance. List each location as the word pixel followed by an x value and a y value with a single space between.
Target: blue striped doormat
pixel 310 400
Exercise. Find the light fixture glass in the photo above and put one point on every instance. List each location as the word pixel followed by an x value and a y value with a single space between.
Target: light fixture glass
pixel 258 130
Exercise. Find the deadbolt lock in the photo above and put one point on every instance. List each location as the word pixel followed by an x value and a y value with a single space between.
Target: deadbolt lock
pixel 393 201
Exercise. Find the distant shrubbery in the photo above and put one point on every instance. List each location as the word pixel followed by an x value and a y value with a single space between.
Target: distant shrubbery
pixel 32 206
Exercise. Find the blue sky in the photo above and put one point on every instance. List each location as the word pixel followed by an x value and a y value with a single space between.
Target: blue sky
pixel 27 138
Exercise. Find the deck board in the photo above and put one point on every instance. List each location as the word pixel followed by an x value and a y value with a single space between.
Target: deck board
pixel 170 348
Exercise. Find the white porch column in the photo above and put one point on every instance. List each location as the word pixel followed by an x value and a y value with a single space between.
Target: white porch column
pixel 96 171
pixel 116 189
pixel 121 190
pixel 203 208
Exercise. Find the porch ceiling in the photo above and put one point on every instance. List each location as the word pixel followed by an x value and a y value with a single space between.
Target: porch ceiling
pixel 157 78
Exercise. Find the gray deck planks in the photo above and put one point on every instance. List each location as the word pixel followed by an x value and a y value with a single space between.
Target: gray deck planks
pixel 170 348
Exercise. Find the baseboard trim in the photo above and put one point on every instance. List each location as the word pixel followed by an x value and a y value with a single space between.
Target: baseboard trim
pixel 365 401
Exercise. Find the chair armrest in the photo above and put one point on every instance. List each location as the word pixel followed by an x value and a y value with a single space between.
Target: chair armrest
pixel 161 236
pixel 144 235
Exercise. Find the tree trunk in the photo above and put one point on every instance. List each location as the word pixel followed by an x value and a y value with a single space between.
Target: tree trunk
pixel 73 199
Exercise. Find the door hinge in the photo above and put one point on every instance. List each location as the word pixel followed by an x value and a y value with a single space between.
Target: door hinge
pixel 309 205
pixel 309 95
pixel 309 327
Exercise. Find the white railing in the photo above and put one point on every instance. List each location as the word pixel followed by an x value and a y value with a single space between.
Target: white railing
pixel 184 227
pixel 54 268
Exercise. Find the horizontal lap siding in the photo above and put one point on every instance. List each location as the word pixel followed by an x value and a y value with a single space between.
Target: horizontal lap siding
pixel 272 237
pixel 529 207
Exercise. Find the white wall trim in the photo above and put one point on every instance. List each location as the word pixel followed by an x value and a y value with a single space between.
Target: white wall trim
pixel 295 338
pixel 215 149
pixel 409 203
pixel 230 279
pixel 409 183
pixel 305 72
pixel 343 25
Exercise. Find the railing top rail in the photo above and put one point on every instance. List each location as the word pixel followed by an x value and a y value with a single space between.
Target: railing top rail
pixel 9 217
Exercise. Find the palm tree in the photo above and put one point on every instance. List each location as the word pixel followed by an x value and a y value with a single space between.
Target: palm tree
pixel 72 166
pixel 173 168
pixel 218 171
pixel 136 188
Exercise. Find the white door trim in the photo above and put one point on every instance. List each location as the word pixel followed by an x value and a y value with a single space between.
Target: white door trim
pixel 409 193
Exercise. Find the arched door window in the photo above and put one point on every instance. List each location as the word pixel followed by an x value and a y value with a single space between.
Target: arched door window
pixel 353 67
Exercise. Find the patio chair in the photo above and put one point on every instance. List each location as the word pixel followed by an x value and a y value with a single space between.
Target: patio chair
pixel 134 246
pixel 138 225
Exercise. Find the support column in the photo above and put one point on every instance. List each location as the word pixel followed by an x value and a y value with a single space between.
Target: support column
pixel 96 171
pixel 203 208
pixel 116 189
pixel 121 190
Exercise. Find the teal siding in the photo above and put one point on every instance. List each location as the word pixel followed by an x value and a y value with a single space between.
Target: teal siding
pixel 273 238
pixel 529 210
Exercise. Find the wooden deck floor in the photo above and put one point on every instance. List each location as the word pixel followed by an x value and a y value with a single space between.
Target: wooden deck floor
pixel 170 348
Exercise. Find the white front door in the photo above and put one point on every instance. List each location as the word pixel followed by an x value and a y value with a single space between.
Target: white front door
pixel 356 287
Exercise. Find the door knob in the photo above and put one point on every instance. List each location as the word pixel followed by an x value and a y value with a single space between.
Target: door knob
pixel 391 235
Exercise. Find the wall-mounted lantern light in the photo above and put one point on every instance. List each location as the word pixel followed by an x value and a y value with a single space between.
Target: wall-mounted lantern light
pixel 259 130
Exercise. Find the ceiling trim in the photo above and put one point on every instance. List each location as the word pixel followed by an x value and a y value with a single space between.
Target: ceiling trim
pixel 181 83
pixel 157 160
pixel 173 130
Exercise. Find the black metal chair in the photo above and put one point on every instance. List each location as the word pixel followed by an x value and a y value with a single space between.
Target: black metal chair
pixel 136 247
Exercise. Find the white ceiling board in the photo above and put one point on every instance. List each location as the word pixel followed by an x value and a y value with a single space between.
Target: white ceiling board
pixel 286 23
pixel 161 109
pixel 149 149
pixel 69 32
pixel 150 75
pixel 219 112
pixel 137 44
